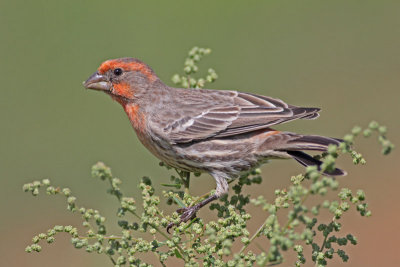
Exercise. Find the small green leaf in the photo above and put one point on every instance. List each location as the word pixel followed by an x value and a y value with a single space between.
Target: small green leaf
pixel 179 202
pixel 191 222
pixel 177 254
pixel 177 186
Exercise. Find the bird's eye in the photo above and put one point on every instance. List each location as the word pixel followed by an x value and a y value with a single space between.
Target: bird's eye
pixel 118 71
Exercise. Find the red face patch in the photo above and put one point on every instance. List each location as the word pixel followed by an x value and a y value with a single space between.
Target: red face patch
pixel 123 89
pixel 126 66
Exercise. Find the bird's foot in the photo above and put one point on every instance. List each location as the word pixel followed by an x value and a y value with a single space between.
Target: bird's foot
pixel 187 214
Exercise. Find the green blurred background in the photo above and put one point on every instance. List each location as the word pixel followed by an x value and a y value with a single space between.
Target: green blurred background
pixel 342 56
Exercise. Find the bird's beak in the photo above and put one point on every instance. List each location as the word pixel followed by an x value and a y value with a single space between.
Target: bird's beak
pixel 97 82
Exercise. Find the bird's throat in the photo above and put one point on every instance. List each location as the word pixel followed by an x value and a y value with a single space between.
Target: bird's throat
pixel 136 117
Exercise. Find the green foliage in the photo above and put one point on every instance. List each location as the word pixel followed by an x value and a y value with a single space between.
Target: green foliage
pixel 226 241
pixel 190 68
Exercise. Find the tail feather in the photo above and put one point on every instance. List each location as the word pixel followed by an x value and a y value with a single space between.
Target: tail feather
pixel 313 142
pixel 306 160
pixel 312 116
pixel 292 145
pixel 306 113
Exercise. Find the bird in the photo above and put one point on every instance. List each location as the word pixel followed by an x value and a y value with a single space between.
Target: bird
pixel 224 133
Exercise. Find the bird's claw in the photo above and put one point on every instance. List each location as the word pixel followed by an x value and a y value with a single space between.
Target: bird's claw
pixel 187 214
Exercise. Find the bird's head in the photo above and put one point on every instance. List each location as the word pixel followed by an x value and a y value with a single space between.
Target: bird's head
pixel 123 78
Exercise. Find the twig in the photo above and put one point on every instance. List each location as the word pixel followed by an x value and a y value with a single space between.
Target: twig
pixel 254 236
pixel 112 260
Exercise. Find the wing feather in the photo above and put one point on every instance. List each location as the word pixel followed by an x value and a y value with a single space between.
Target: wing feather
pixel 243 113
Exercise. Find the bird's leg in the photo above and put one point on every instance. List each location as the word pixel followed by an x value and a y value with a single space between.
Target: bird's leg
pixel 189 213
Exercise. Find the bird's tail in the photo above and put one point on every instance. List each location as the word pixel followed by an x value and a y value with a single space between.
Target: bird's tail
pixel 306 160
pixel 293 145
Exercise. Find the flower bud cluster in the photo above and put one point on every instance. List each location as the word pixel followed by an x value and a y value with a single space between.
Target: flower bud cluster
pixel 190 68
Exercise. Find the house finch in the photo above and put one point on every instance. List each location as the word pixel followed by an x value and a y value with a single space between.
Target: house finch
pixel 223 133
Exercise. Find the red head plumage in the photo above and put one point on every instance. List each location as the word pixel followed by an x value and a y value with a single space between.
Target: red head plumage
pixel 127 64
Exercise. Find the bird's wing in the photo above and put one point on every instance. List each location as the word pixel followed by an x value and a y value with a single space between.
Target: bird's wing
pixel 204 125
pixel 238 113
pixel 259 112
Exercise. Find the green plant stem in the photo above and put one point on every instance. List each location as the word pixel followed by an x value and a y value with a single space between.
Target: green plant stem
pixel 155 227
pixel 187 181
pixel 254 236
pixel 106 237
pixel 264 263
pixel 323 243
pixel 202 197
pixel 166 237
pixel 275 263
pixel 112 260
pixel 185 177
pixel 292 219
pixel 118 196
pixel 159 258
pixel 265 222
